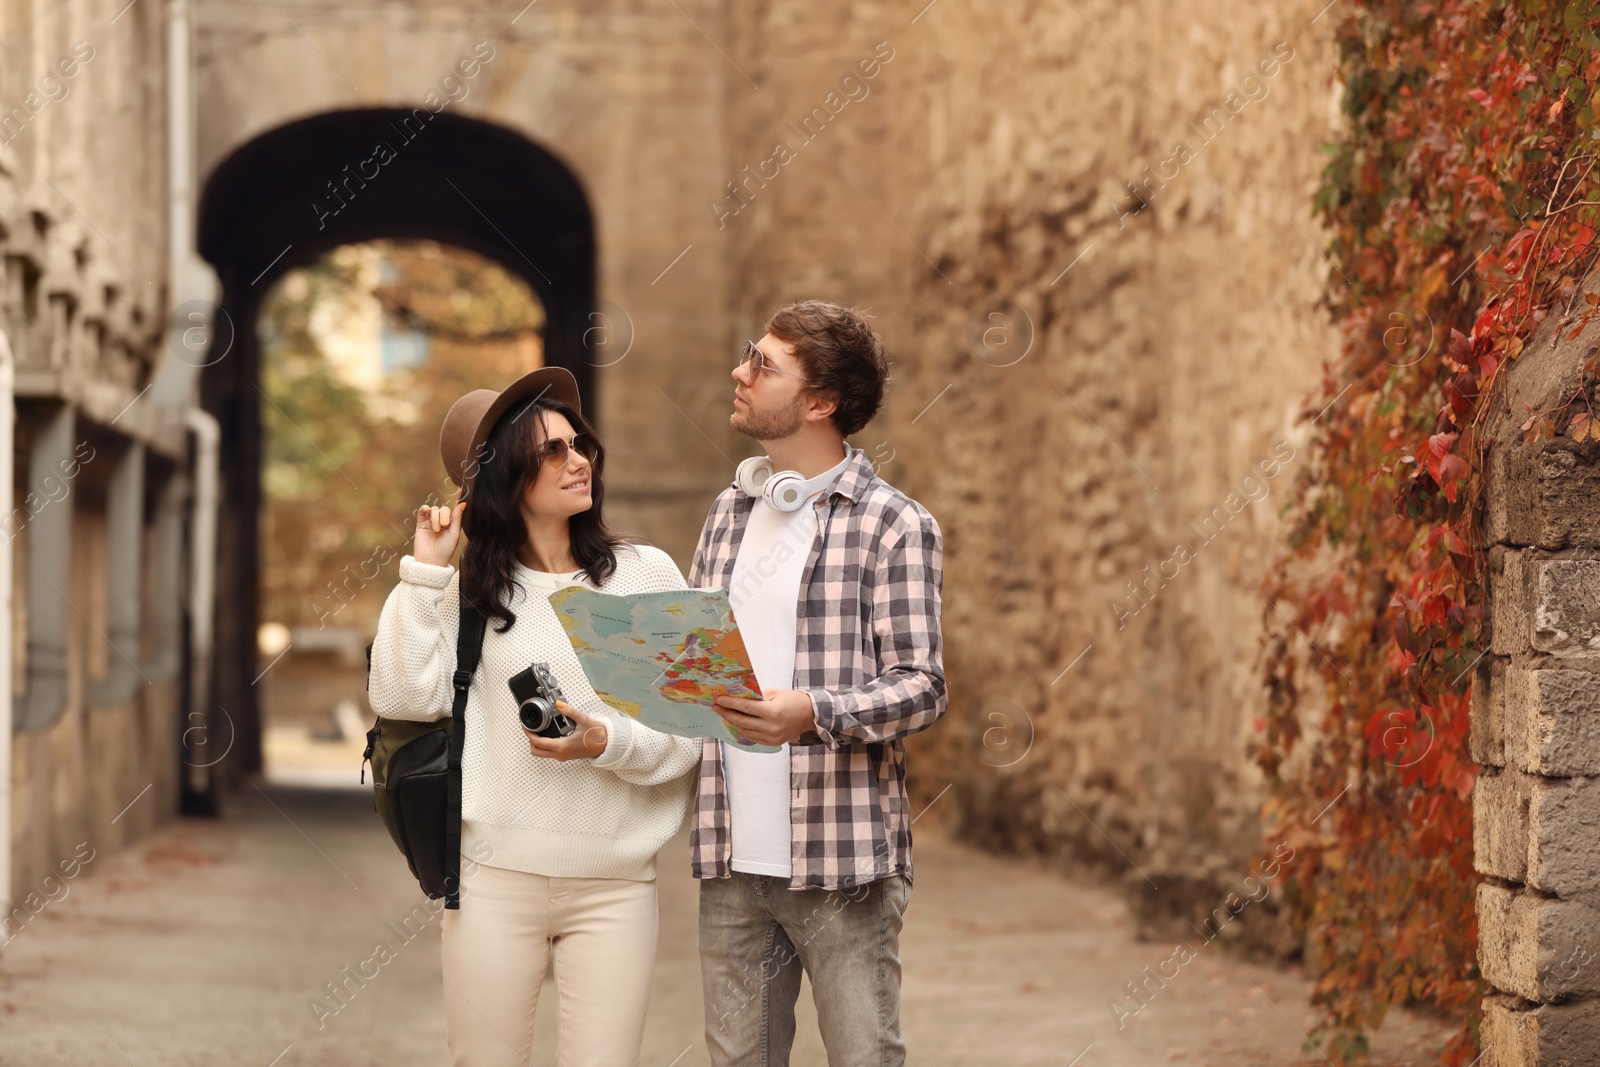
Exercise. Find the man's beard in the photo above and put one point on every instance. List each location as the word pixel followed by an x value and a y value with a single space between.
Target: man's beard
pixel 770 425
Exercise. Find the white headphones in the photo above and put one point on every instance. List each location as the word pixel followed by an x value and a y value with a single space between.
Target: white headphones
pixel 783 490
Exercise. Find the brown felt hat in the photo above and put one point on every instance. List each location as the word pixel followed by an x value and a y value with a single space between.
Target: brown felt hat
pixel 470 419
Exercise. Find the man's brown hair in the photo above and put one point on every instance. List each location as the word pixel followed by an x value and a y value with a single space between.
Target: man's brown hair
pixel 841 355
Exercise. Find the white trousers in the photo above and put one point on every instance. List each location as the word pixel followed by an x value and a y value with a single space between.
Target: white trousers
pixel 601 933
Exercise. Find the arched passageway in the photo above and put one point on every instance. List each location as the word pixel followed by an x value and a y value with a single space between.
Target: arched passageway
pixel 289 196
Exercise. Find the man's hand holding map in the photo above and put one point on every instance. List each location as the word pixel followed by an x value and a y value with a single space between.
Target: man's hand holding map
pixel 661 658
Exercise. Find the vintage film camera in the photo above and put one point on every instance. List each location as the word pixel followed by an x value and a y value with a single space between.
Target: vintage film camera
pixel 536 692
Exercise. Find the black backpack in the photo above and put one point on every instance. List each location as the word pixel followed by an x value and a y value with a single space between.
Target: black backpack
pixel 416 775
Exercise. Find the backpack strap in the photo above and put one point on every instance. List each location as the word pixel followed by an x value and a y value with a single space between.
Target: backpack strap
pixel 469 643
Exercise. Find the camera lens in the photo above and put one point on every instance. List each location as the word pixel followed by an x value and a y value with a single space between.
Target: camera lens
pixel 536 714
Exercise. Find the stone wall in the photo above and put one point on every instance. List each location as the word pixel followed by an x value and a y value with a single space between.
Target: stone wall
pixel 1082 384
pixel 1536 723
pixel 83 227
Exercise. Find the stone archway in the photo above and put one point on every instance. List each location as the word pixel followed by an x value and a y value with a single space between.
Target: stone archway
pixel 284 199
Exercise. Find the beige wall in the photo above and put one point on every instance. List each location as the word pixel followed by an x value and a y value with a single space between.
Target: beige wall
pixel 985 159
pixel 93 766
pixel 83 185
pixel 83 189
pixel 88 151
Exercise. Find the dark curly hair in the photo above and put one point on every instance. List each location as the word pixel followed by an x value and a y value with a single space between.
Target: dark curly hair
pixel 492 522
pixel 841 354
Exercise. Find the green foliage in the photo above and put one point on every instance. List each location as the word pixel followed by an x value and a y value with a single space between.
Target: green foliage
pixel 350 452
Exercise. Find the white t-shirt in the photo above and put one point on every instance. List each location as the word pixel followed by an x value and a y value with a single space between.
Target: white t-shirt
pixel 764 594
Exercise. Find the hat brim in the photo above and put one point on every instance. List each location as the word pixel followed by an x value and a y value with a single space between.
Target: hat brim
pixel 555 383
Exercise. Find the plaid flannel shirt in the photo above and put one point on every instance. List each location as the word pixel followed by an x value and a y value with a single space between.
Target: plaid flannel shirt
pixel 868 651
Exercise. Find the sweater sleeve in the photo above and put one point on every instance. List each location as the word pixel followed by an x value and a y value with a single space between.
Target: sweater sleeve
pixel 634 752
pixel 413 655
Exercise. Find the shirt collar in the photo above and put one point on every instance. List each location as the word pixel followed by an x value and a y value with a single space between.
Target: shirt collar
pixel 824 481
pixel 854 478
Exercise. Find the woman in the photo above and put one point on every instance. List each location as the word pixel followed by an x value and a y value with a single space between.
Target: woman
pixel 564 831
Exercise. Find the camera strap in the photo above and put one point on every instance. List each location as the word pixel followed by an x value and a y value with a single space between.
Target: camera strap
pixel 469 643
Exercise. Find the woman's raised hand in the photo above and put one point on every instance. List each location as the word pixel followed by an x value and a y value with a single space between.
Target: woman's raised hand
pixel 438 533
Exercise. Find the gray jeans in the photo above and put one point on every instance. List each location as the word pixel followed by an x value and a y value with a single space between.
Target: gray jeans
pixel 756 935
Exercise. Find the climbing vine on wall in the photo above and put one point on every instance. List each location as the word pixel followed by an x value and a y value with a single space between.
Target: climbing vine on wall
pixel 1462 199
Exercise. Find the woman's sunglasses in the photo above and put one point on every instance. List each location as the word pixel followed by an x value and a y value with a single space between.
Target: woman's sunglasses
pixel 555 450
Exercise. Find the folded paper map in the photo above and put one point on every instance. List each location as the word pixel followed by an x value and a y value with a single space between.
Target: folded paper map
pixel 661 658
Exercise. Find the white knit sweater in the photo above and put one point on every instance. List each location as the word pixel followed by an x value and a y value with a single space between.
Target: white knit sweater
pixel 586 818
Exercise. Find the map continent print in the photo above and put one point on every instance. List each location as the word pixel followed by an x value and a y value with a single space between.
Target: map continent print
pixel 661 658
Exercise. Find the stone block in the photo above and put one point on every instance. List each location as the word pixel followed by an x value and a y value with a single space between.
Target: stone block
pixel 1516 1034
pixel 1569 512
pixel 1543 832
pixel 1505 496
pixel 1545 497
pixel 1508 608
pixel 1566 606
pixel 1500 803
pixel 1486 712
pixel 1549 719
pixel 1493 906
pixel 1563 854
pixel 1540 948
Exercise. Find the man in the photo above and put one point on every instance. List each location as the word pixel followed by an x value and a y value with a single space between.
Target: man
pixel 835 581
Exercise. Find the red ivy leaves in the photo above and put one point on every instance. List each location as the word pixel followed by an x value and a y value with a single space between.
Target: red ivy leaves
pixel 1462 203
pixel 1445 467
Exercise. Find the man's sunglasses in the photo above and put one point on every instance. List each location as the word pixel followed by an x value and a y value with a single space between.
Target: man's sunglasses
pixel 753 354
pixel 555 450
